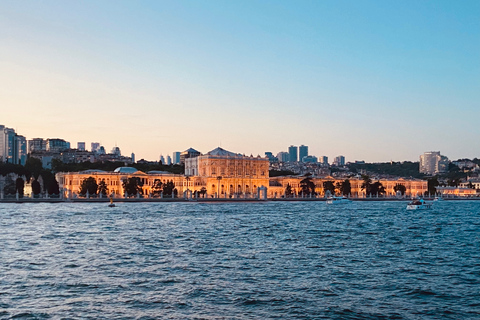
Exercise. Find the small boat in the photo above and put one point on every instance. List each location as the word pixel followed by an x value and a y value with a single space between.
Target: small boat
pixel 337 200
pixel 438 198
pixel 111 205
pixel 418 205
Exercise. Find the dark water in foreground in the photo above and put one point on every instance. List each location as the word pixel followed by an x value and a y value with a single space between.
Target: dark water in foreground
pixel 239 261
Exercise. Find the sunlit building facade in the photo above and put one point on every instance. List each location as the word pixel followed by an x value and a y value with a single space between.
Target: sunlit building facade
pixel 413 187
pixel 228 174
pixel 433 162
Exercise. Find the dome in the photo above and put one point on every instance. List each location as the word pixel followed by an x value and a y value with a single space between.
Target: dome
pixel 126 170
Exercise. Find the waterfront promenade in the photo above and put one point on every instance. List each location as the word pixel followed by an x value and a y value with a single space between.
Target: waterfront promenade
pixel 209 200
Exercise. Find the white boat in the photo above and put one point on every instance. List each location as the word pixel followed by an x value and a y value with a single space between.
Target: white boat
pixel 337 200
pixel 419 205
pixel 438 199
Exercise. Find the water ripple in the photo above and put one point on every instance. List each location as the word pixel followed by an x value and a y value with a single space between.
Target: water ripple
pixel 297 260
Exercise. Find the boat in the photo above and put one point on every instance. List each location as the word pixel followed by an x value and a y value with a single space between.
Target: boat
pixel 440 198
pixel 338 200
pixel 418 205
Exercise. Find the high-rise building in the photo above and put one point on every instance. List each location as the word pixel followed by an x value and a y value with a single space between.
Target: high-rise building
pixel 169 160
pixel 189 153
pixel 433 162
pixel 94 146
pixel 37 145
pixel 302 152
pixel 9 145
pixel 116 151
pixel 339 161
pixel 57 145
pixel 293 152
pixel 21 150
pixel 162 159
pixel 13 147
pixel 271 157
pixel 2 143
pixel 310 159
pixel 324 160
pixel 176 157
pixel 133 157
pixel 81 146
pixel 283 156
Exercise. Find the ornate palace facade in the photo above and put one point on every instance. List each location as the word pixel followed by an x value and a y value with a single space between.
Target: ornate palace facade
pixel 223 174
pixel 227 174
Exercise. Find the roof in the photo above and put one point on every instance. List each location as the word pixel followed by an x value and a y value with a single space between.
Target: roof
pixel 92 171
pixel 190 150
pixel 126 170
pixel 222 152
pixel 158 172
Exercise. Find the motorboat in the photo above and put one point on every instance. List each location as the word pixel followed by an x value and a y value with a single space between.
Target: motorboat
pixel 440 198
pixel 419 205
pixel 337 200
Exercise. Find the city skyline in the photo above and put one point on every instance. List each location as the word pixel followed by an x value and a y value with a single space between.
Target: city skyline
pixel 368 80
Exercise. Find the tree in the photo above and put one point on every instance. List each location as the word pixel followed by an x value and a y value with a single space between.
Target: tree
pixel 345 187
pixel 278 173
pixel 203 191
pixel 49 182
pixel 102 188
pixel 19 186
pixel 367 184
pixel 52 187
pixel 307 186
pixel 432 184
pixel 157 187
pixel 89 185
pixel 168 188
pixel 453 182
pixel 377 188
pixel 400 187
pixel 132 186
pixel 329 186
pixel 288 190
pixel 34 167
pixel 36 188
pixel 9 187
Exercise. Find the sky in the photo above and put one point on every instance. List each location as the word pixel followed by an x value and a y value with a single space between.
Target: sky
pixel 370 80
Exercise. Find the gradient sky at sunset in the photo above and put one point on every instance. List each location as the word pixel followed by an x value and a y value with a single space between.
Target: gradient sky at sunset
pixel 371 80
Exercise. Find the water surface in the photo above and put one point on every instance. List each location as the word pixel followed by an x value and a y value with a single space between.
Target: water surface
pixel 274 260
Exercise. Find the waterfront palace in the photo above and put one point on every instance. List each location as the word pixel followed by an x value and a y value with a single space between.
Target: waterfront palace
pixel 222 174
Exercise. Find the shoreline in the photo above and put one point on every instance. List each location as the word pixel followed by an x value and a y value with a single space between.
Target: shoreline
pixel 207 200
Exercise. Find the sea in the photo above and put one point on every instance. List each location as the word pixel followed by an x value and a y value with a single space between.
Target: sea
pixel 252 260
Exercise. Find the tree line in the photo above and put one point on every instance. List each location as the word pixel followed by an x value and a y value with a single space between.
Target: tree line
pixel 34 173
pixel 307 187
pixel 132 187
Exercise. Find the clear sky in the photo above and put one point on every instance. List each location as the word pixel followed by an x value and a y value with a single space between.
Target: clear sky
pixel 370 80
